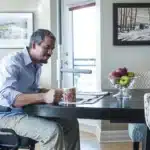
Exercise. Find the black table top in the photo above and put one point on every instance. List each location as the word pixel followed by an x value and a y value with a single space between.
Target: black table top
pixel 107 108
pixel 136 102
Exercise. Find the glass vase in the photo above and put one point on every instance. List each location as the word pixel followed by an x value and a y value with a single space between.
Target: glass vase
pixel 124 92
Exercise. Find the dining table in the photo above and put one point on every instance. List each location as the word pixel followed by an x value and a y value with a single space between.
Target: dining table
pixel 100 107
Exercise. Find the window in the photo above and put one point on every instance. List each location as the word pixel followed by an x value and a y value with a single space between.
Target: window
pixel 84 46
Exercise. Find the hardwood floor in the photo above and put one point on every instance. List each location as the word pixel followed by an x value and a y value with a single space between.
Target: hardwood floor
pixel 89 142
pixel 117 146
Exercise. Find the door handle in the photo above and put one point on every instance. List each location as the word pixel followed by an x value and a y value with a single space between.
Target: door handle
pixel 83 71
pixel 66 63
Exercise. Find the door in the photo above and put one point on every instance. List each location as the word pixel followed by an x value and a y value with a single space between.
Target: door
pixel 78 63
pixel 78 51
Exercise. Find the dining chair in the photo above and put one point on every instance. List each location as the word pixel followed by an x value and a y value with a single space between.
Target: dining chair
pixel 137 131
pixel 147 109
pixel 9 140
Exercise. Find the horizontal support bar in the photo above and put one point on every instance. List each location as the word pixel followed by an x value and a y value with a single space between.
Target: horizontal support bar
pixel 84 71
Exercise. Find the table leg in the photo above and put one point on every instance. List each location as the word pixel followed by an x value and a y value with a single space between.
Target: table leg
pixel 147 147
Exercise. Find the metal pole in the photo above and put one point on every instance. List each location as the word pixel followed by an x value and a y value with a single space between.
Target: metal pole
pixel 59 43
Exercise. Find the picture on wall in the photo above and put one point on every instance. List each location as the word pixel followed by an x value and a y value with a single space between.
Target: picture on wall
pixel 131 23
pixel 15 29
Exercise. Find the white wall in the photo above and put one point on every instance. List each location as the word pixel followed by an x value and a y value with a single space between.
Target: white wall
pixel 41 10
pixel 43 18
pixel 135 58
pixel 16 6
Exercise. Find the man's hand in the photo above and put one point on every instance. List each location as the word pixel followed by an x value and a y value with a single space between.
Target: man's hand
pixel 43 90
pixel 53 96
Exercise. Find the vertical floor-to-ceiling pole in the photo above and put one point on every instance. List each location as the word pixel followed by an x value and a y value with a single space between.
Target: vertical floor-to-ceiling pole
pixel 59 43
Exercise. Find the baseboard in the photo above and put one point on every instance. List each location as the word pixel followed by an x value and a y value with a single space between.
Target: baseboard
pixel 91 128
pixel 106 136
pixel 87 128
pixel 114 136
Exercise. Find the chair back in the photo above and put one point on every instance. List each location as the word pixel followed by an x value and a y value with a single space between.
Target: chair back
pixel 143 81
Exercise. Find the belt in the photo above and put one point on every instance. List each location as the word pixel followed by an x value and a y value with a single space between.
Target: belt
pixel 4 108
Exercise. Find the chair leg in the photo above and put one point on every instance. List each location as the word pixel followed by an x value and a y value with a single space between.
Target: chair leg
pixel 15 149
pixel 32 147
pixel 8 149
pixel 135 145
pixel 143 144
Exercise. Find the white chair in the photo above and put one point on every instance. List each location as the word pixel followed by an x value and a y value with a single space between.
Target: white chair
pixel 147 108
pixel 137 131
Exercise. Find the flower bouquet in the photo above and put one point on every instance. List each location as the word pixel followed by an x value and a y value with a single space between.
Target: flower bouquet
pixel 123 80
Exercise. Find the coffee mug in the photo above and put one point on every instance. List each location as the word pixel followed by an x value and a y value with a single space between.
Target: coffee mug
pixel 69 94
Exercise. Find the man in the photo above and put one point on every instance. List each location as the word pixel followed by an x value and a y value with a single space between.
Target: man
pixel 19 86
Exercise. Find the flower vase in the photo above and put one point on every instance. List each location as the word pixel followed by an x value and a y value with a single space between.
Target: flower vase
pixel 123 93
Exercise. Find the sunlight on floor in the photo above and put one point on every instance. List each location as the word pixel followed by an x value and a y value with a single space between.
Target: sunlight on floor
pixel 89 142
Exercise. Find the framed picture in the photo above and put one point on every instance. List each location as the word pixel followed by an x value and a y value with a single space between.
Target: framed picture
pixel 131 23
pixel 15 29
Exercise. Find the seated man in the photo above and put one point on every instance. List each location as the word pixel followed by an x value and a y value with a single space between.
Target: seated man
pixel 19 81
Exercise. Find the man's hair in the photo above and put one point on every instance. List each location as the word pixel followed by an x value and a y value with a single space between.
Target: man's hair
pixel 39 35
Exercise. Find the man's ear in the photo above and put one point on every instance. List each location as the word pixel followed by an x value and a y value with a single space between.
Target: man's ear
pixel 33 45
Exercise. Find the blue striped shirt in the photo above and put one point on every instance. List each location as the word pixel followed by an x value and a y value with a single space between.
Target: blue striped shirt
pixel 17 75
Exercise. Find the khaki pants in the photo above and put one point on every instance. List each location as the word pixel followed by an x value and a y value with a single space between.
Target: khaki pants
pixel 52 134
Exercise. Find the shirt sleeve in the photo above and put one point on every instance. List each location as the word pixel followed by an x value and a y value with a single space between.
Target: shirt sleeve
pixel 9 76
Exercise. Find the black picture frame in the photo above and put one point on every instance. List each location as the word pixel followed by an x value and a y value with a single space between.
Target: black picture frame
pixel 131 23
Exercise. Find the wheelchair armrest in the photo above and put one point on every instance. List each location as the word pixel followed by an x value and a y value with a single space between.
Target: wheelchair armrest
pixel 6 130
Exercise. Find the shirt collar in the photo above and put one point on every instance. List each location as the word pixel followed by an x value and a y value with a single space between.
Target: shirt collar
pixel 27 58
